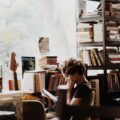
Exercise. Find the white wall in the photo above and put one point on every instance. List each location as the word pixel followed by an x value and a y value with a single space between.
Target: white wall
pixel 23 22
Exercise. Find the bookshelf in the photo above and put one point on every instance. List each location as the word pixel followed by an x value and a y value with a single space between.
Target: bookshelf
pixel 53 79
pixel 100 47
pixel 53 76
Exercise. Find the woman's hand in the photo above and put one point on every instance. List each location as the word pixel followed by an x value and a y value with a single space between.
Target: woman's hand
pixel 70 84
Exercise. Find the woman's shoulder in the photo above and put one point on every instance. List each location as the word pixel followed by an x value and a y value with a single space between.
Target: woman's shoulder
pixel 84 85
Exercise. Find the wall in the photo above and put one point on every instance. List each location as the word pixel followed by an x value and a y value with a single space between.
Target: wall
pixel 23 22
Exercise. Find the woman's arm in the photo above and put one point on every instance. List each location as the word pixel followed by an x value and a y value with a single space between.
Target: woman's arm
pixel 70 85
pixel 75 101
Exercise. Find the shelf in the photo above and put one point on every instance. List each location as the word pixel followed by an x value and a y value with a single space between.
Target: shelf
pixel 92 19
pixel 95 19
pixel 100 44
pixel 95 67
pixel 111 66
pixel 113 1
pixel 115 90
pixel 113 43
pixel 91 44
pixel 110 18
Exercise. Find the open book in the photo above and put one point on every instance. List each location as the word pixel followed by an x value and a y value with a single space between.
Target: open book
pixel 49 95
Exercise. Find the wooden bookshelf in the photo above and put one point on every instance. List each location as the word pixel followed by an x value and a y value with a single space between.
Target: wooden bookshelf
pixel 109 40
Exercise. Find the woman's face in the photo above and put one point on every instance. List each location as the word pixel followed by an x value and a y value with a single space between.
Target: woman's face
pixel 73 77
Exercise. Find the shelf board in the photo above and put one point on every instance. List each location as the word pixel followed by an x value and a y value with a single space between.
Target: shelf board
pixel 113 43
pixel 95 67
pixel 92 19
pixel 112 18
pixel 115 90
pixel 100 44
pixel 111 66
pixel 95 19
pixel 113 1
pixel 91 44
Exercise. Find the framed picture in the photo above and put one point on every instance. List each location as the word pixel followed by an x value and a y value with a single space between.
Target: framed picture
pixel 28 64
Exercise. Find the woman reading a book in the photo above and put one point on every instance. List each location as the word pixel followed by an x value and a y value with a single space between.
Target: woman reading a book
pixel 79 89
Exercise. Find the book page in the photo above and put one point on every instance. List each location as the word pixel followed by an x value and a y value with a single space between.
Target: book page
pixel 48 94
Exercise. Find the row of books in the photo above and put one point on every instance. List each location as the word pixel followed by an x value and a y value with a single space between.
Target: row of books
pixel 54 81
pixel 93 33
pixel 110 10
pixel 113 80
pixel 94 57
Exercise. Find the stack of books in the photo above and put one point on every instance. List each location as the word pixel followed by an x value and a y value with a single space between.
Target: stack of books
pixel 116 10
pixel 113 31
pixel 84 33
pixel 114 58
pixel 48 62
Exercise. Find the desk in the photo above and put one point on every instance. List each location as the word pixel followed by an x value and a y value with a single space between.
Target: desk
pixel 13 98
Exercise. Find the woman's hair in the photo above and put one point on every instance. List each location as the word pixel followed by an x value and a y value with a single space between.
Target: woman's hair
pixel 73 66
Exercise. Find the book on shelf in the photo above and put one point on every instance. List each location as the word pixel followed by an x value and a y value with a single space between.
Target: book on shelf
pixel 54 81
pixel 84 33
pixel 91 57
pixel 48 60
pixel 98 60
pixel 94 57
pixel 113 80
pixel 113 30
pixel 114 57
pixel 116 10
pixel 36 82
pixel 39 81
pixel 91 14
pixel 86 57
pixel 98 32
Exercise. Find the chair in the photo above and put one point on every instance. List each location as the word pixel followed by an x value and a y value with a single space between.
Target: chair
pixel 33 110
pixel 81 112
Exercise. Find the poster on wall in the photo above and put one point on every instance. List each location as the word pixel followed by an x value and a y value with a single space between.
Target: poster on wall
pixel 43 44
pixel 28 64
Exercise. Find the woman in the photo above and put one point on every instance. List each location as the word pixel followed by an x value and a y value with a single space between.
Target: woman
pixel 79 89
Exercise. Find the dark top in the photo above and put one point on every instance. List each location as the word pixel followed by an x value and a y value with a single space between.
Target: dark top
pixel 83 91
